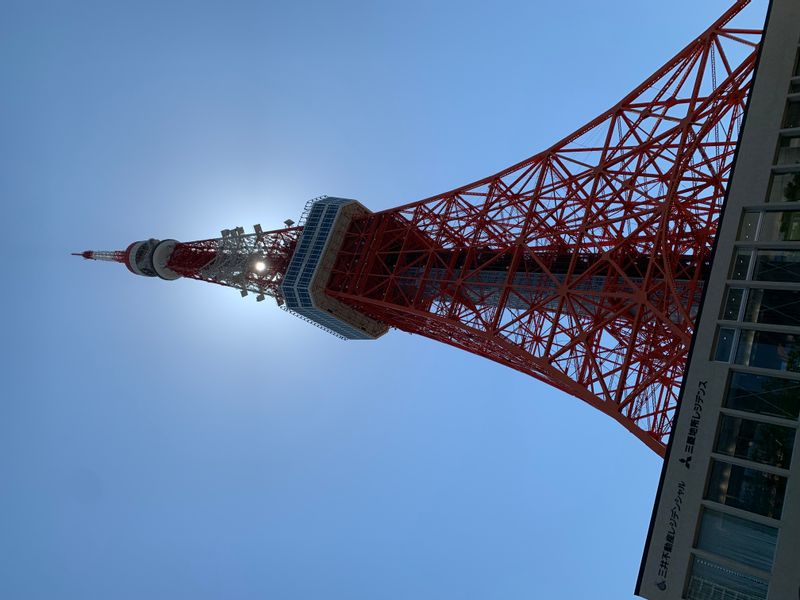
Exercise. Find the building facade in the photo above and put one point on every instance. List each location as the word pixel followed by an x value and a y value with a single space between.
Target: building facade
pixel 726 522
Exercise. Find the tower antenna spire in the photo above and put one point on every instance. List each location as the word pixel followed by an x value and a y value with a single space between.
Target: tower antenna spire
pixel 107 255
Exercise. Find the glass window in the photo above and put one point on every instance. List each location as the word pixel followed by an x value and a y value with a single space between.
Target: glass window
pixel 777 265
pixel 741 263
pixel 756 441
pixel 794 87
pixel 725 339
pixel 776 307
pixel 739 539
pixel 710 581
pixel 749 226
pixel 788 150
pixel 780 226
pixel 733 301
pixel 748 489
pixel 768 350
pixel 784 187
pixel 763 394
pixel 792 118
pixel 797 65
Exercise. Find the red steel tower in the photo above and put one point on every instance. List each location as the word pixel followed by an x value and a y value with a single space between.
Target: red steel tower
pixel 582 266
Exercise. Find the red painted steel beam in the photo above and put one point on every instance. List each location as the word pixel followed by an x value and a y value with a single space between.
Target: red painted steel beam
pixel 583 265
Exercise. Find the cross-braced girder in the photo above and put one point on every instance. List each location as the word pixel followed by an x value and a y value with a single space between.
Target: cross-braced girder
pixel 583 265
pixel 251 262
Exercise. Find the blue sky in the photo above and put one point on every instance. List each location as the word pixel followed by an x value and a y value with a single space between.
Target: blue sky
pixel 171 440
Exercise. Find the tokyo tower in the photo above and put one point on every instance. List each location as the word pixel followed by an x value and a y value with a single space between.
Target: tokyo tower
pixel 582 266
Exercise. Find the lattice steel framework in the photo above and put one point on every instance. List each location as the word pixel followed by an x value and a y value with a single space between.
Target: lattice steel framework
pixel 583 265
pixel 254 262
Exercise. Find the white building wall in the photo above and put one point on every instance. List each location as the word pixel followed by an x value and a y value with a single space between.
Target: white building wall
pixel 713 510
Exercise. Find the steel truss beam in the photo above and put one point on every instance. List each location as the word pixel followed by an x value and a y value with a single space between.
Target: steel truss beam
pixel 582 266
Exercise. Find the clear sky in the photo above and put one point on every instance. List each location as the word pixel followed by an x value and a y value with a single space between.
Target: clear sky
pixel 172 440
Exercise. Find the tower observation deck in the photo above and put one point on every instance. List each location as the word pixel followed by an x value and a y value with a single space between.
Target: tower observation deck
pixel 582 266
